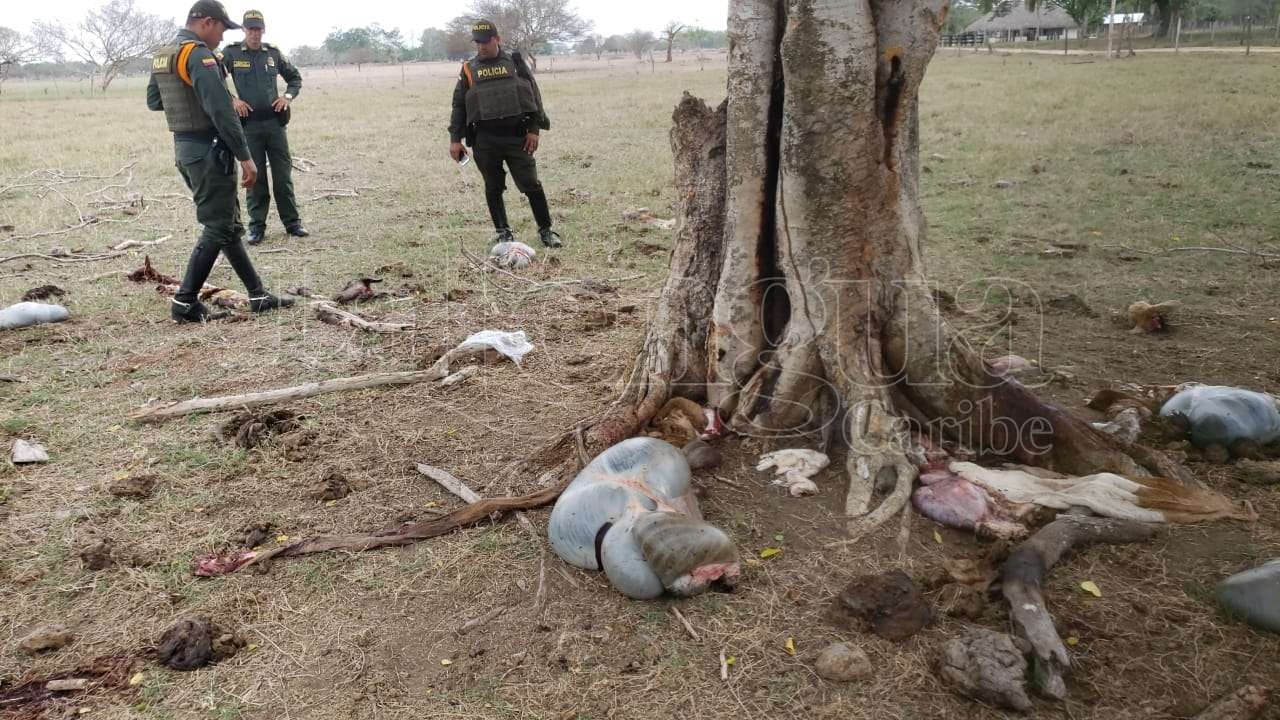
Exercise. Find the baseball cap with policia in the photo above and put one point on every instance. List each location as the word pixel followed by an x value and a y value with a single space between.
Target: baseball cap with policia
pixel 213 10
pixel 253 20
pixel 482 31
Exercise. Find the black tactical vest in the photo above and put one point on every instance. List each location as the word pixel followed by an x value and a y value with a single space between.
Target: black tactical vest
pixel 495 90
pixel 181 106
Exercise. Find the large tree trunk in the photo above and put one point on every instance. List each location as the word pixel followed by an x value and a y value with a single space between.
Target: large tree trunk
pixel 798 295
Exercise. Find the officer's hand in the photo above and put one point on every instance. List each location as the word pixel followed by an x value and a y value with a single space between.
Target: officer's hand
pixel 248 173
pixel 280 104
pixel 456 152
pixel 242 108
pixel 531 143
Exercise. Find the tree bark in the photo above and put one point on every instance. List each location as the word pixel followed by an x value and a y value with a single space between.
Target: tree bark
pixel 798 297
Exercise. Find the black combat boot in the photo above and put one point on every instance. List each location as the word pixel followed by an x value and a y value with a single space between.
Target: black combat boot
pixel 259 299
pixel 186 307
pixel 550 237
pixel 502 235
pixel 266 301
pixel 297 230
pixel 191 312
pixel 256 235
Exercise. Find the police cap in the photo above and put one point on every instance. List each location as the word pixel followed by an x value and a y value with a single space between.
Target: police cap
pixel 212 9
pixel 483 30
pixel 253 19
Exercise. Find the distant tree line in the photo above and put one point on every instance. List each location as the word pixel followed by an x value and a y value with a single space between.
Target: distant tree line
pixel 673 36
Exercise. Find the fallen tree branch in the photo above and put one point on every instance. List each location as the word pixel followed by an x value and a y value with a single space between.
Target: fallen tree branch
pixel 1230 250
pixel 450 483
pixel 59 259
pixel 141 243
pixel 1022 581
pixel 456 520
pixel 166 411
pixel 333 315
pixel 302 164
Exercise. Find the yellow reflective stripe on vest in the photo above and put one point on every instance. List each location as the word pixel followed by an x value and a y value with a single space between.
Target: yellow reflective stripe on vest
pixel 183 55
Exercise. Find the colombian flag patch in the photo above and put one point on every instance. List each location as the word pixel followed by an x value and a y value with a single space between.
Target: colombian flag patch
pixel 209 62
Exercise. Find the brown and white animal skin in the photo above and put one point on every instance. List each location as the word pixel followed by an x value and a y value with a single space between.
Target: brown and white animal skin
pixel 631 513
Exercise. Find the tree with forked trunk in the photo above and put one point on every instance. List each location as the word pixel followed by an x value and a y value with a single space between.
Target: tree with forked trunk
pixel 670 32
pixel 798 298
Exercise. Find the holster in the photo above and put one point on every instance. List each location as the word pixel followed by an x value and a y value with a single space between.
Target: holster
pixel 222 157
pixel 285 116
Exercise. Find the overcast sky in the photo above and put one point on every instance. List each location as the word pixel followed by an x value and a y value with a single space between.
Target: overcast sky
pixel 291 23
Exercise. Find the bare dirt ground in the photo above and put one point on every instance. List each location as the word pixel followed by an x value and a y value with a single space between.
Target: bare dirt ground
pixel 1127 161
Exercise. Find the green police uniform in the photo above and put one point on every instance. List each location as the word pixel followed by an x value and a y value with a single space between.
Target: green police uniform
pixel 187 85
pixel 255 73
pixel 496 103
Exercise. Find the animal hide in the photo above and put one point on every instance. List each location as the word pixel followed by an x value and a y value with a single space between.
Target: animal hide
pixel 1149 499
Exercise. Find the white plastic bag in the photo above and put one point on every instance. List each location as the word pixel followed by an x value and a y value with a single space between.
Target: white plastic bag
pixel 514 345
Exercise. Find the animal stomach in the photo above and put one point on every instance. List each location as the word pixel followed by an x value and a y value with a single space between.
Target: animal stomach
pixel 631 513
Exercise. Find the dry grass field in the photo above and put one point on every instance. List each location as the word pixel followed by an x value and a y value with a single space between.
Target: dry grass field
pixel 1122 161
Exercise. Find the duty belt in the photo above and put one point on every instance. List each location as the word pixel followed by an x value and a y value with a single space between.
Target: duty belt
pixel 205 136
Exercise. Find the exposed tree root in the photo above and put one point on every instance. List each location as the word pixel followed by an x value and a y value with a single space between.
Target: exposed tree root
pixel 1022 580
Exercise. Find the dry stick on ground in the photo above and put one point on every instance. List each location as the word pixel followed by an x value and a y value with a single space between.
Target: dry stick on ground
pixel 469 496
pixel 141 243
pixel 450 483
pixel 165 411
pixel 332 193
pixel 1247 703
pixel 1230 250
pixel 333 315
pixel 1022 580
pixel 483 619
pixel 685 622
pixel 456 520
pixel 58 177
pixel 269 397
pixel 63 260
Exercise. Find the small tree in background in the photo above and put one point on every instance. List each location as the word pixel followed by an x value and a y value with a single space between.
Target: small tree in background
pixel 615 43
pixel 672 29
pixel 638 41
pixel 15 49
pixel 529 25
pixel 108 39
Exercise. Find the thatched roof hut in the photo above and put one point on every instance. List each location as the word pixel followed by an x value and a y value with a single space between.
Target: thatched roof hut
pixel 1019 20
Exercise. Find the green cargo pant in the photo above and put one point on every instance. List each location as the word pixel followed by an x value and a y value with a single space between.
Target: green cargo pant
pixel 490 158
pixel 269 145
pixel 213 190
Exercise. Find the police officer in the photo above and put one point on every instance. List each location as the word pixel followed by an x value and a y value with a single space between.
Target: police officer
pixel 254 67
pixel 187 83
pixel 498 109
